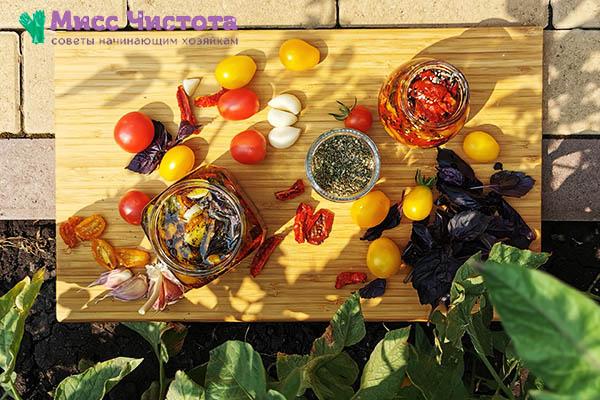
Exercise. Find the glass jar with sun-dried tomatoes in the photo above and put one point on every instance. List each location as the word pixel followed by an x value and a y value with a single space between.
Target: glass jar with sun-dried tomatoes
pixel 203 225
pixel 424 102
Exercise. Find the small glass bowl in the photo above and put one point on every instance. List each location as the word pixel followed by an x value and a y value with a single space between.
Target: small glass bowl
pixel 338 132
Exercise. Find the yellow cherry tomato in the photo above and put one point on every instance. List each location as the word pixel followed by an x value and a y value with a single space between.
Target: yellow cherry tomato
pixel 418 203
pixel 383 258
pixel 370 209
pixel 235 71
pixel 297 55
pixel 177 162
pixel 481 147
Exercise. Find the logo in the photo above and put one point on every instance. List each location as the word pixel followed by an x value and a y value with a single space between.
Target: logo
pixel 34 24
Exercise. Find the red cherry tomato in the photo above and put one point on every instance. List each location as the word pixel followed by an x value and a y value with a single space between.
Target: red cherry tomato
pixel 131 206
pixel 134 132
pixel 238 104
pixel 248 147
pixel 359 118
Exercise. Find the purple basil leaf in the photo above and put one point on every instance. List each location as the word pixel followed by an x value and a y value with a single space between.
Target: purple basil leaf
pixel 451 175
pixel 522 235
pixel 375 288
pixel 448 159
pixel 433 273
pixel 468 225
pixel 147 160
pixel 391 221
pixel 511 183
pixel 460 197
pixel 186 129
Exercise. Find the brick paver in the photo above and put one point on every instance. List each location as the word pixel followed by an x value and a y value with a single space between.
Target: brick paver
pixel 443 12
pixel 27 179
pixel 271 13
pixel 11 10
pixel 568 14
pixel 572 82
pixel 10 91
pixel 38 85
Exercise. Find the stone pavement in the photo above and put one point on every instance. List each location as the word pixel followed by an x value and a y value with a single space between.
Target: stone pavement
pixel 571 100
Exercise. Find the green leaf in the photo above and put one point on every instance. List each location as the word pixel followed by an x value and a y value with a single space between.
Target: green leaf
pixel 347 327
pixel 286 363
pixel 385 370
pixel 537 395
pixel 504 254
pixel 184 388
pixel 553 327
pixel 331 376
pixel 95 382
pixel 198 374
pixel 14 308
pixel 153 392
pixel 275 395
pixel 165 338
pixel 235 371
pixel 290 372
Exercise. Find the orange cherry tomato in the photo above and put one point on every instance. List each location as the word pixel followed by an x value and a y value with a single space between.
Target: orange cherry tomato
pixel 104 253
pixel 91 227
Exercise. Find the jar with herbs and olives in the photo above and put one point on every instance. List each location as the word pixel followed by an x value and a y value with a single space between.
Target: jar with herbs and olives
pixel 203 225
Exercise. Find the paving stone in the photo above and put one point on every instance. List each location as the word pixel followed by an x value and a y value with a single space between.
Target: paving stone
pixel 569 14
pixel 10 90
pixel 571 82
pixel 271 13
pixel 27 179
pixel 38 85
pixel 570 184
pixel 443 12
pixel 11 10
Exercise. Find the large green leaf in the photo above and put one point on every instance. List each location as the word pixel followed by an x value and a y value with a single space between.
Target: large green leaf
pixel 291 374
pixel 347 327
pixel 184 388
pixel 166 338
pixel 538 395
pixel 385 370
pixel 235 371
pixel 504 254
pixel 286 363
pixel 553 327
pixel 95 382
pixel 331 376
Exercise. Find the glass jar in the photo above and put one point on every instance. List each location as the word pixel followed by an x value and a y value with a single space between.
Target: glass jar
pixel 424 102
pixel 203 225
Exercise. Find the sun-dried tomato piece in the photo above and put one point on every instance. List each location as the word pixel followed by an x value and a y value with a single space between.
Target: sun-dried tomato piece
pixel 104 253
pixel 263 253
pixel 304 213
pixel 184 106
pixel 319 226
pixel 349 278
pixel 91 227
pixel 131 257
pixel 67 231
pixel 210 100
pixel 294 191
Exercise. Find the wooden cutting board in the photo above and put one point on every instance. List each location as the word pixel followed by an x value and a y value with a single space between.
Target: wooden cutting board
pixel 97 83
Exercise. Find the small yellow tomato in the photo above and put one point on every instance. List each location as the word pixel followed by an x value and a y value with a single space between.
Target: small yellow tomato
pixel 481 147
pixel 383 258
pixel 370 209
pixel 418 203
pixel 176 162
pixel 235 71
pixel 297 55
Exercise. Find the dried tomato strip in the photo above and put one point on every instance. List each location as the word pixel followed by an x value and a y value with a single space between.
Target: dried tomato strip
pixel 67 231
pixel 184 106
pixel 304 213
pixel 263 253
pixel 349 278
pixel 210 100
pixel 294 191
pixel 319 226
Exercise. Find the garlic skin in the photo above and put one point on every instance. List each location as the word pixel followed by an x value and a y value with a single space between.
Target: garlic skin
pixel 279 118
pixel 165 288
pixel 190 85
pixel 132 289
pixel 283 137
pixel 286 102
pixel 113 278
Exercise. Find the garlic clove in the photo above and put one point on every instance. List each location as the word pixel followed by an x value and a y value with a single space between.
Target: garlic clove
pixel 113 278
pixel 132 289
pixel 283 137
pixel 190 85
pixel 279 118
pixel 165 288
pixel 286 102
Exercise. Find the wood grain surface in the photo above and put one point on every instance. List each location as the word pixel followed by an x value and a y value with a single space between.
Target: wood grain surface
pixel 96 84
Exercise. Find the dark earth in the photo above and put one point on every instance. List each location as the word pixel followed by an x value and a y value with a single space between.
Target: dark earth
pixel 51 351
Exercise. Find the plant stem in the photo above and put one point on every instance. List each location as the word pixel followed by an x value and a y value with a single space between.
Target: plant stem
pixel 13 389
pixel 499 381
pixel 161 375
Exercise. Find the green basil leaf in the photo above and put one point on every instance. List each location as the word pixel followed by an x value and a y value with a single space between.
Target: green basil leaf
pixel 385 369
pixel 504 254
pixel 554 328
pixel 184 388
pixel 165 338
pixel 95 382
pixel 235 371
pixel 331 376
pixel 347 327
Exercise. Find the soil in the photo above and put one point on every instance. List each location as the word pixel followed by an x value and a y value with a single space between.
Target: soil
pixel 51 351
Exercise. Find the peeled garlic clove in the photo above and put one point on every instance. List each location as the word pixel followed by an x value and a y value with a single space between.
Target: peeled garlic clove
pixel 190 85
pixel 279 118
pixel 283 137
pixel 132 289
pixel 286 102
pixel 112 279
